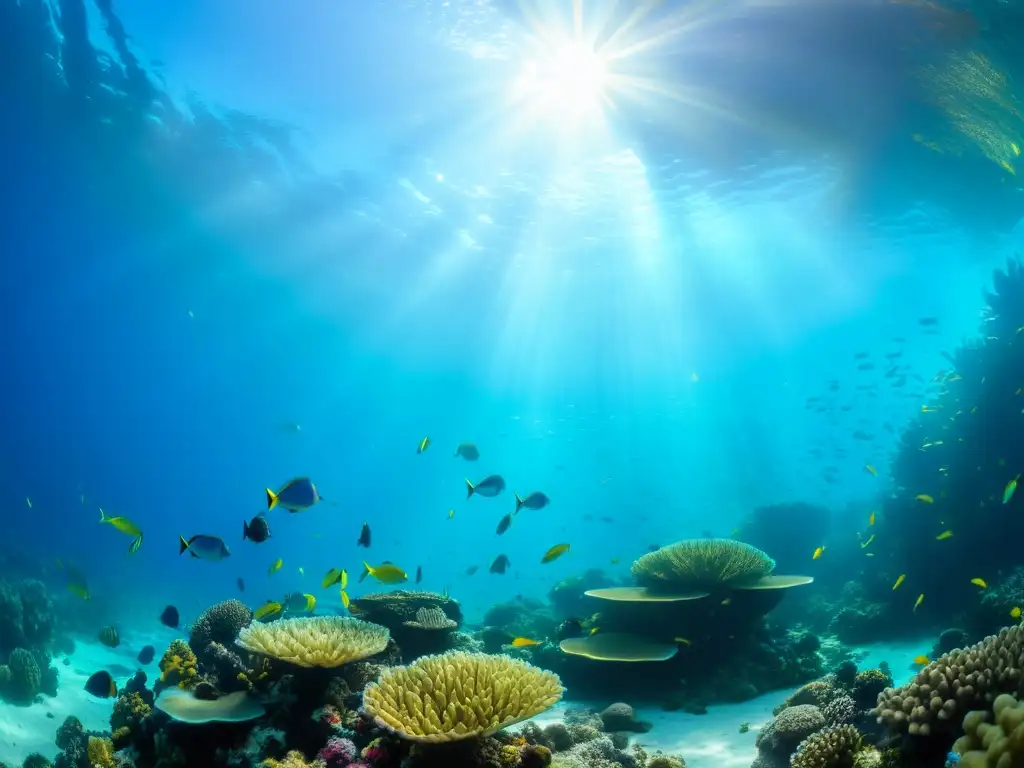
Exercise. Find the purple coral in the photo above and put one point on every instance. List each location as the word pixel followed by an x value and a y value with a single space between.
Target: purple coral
pixel 338 752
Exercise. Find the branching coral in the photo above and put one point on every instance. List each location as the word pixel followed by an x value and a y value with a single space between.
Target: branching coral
pixel 100 752
pixel 829 748
pixel 315 641
pixel 455 696
pixel 959 681
pixel 130 710
pixel 998 744
pixel 219 623
pixel 179 666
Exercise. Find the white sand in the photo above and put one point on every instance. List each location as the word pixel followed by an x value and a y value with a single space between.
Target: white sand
pixel 24 730
pixel 706 741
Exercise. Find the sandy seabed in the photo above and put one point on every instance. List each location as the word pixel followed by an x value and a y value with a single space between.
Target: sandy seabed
pixel 705 741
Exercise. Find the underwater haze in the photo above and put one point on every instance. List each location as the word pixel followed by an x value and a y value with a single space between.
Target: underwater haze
pixel 670 264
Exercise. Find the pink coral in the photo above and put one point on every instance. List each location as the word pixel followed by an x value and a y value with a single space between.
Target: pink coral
pixel 328 715
pixel 375 752
pixel 338 752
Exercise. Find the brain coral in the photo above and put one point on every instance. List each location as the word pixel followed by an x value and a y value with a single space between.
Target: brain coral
pixel 455 696
pixel 829 748
pixel 219 623
pixel 964 679
pixel 702 563
pixel 791 726
pixel 993 744
pixel 315 641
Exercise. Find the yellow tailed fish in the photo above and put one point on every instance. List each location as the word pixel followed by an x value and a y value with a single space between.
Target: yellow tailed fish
pixel 899 580
pixel 947 534
pixel 1011 487
pixel 979 583
pixel 554 553
pixel 925 498
pixel 818 553
pixel 344 599
pixel 920 599
pixel 269 608
pixel 524 642
pixel 424 444
pixel 123 524
pixel 310 602
pixel 275 567
pixel 871 518
pixel 871 470
pixel 1015 612
pixel 922 660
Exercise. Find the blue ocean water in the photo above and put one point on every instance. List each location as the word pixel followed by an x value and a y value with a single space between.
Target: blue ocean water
pixel 228 219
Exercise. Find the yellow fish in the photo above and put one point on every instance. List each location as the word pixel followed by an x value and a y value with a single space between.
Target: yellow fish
pixel 1011 487
pixel 275 567
pixel 310 602
pixel 344 578
pixel 899 580
pixel 386 573
pixel 944 535
pixel 594 630
pixel 868 542
pixel 269 608
pixel 81 591
pixel 818 553
pixel 923 660
pixel 920 599
pixel 123 524
pixel 871 470
pixel 554 553
pixel 451 513
pixel 1014 612
pixel 332 577
pixel 29 502
pixel 524 642
pixel 682 640
pixel 344 599
pixel 424 444
pixel 979 583
pixel 925 498
pixel 871 518
pixel 928 409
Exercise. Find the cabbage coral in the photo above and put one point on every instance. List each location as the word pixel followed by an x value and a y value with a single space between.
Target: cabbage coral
pixel 315 641
pixel 454 696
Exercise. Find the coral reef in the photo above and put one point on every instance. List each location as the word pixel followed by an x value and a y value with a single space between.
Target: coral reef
pixel 619 717
pixel 832 747
pixel 219 623
pixel 999 744
pixel 781 735
pixel 315 641
pixel 955 683
pixel 457 696
pixel 179 666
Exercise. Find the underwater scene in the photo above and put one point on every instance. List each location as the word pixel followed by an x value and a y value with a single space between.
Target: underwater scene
pixel 512 384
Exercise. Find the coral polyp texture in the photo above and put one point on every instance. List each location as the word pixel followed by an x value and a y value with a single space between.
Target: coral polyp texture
pixel 315 641
pixel 219 623
pixel 959 681
pixel 455 696
pixel 432 619
pixel 832 747
pixel 998 744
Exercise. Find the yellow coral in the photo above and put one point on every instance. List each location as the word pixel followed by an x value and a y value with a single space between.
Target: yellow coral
pixel 100 752
pixel 509 756
pixel 1000 743
pixel 315 641
pixel 179 666
pixel 293 759
pixel 455 696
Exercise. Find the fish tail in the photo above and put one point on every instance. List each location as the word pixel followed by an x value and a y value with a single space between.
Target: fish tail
pixel 469 488
pixel 519 502
pixel 182 545
pixel 367 570
pixel 245 530
pixel 271 499
pixel 103 516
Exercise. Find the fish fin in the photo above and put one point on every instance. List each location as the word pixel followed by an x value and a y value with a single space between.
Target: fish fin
pixel 245 530
pixel 469 488
pixel 271 499
pixel 519 502
pixel 182 545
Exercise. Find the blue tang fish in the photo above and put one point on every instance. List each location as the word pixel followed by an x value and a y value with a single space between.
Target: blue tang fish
pixel 490 486
pixel 295 495
pixel 204 547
